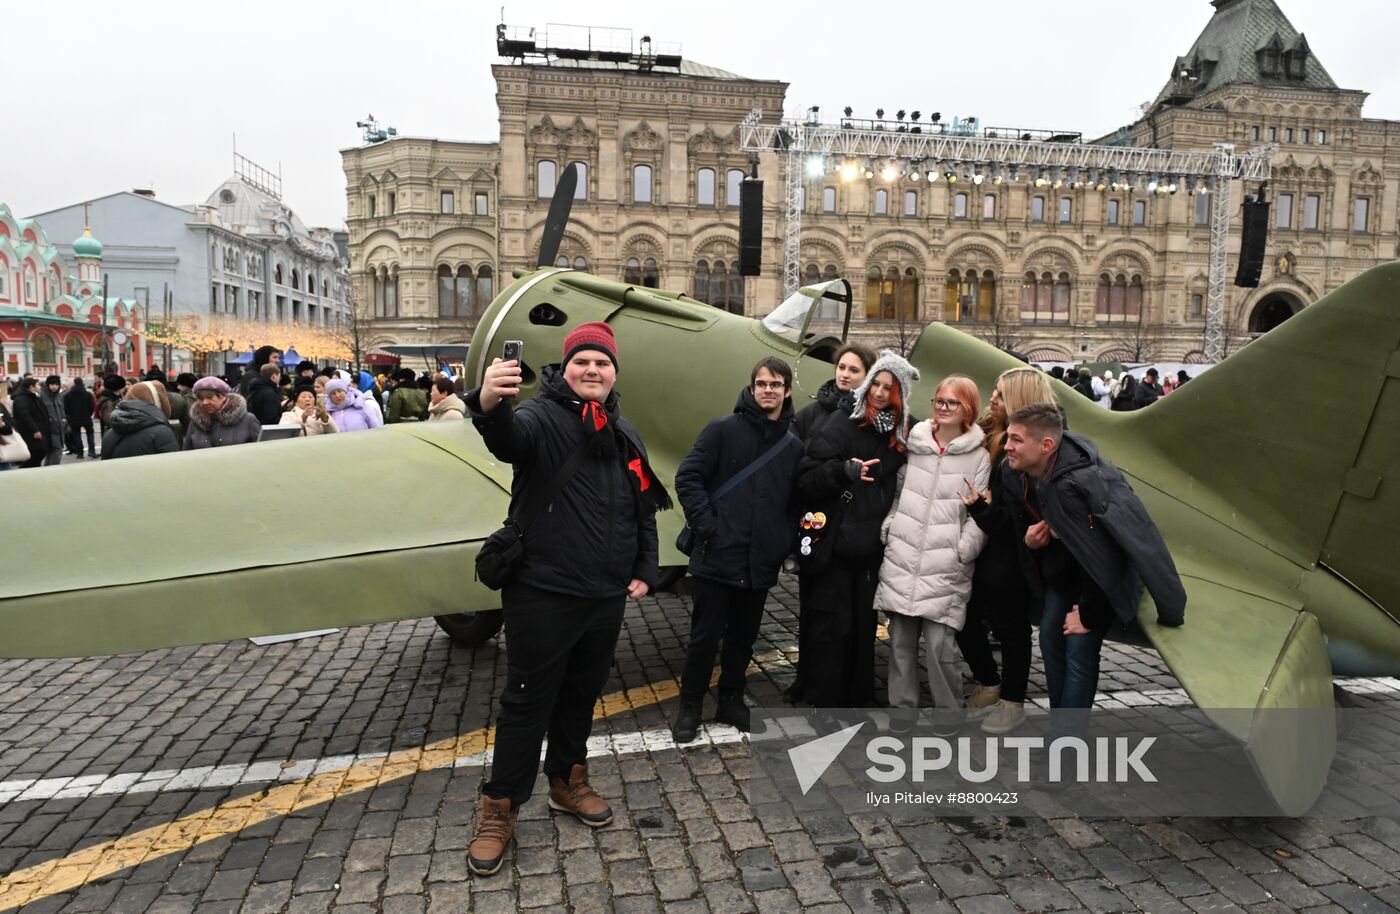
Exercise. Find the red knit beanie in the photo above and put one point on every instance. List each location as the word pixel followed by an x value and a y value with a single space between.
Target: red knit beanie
pixel 595 335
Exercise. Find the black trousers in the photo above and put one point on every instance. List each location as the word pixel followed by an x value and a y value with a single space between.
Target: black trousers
pixel 75 439
pixel 724 618
pixel 559 649
pixel 838 635
pixel 1008 610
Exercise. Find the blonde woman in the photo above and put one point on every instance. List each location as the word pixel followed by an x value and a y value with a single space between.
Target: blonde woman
pixel 1000 595
pixel 930 547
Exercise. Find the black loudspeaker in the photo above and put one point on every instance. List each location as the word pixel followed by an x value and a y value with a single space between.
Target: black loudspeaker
pixel 750 227
pixel 1253 237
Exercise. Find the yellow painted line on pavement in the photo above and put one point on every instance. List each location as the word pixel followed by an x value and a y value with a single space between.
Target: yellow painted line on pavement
pixel 70 872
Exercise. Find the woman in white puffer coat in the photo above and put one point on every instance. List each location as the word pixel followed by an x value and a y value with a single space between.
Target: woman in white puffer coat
pixel 930 547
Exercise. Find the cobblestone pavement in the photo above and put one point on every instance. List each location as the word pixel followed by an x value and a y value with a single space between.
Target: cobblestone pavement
pixel 341 774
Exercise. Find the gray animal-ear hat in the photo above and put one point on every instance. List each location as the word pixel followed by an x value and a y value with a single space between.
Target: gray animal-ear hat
pixel 905 373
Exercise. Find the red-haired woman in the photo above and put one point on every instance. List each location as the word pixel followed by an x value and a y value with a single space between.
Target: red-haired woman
pixel 930 547
pixel 847 481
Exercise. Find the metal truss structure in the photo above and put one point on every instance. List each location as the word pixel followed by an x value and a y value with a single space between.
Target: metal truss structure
pixel 1006 158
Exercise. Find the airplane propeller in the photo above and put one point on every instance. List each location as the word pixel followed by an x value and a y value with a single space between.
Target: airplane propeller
pixel 558 218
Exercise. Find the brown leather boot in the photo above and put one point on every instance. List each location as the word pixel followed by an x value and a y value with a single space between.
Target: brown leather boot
pixel 577 797
pixel 495 824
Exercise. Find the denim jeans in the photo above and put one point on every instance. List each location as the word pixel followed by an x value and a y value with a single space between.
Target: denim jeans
pixel 1071 661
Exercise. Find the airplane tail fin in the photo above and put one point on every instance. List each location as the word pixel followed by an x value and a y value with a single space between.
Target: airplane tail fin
pixel 1300 431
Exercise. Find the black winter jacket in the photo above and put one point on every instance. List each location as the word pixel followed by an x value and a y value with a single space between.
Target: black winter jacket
pixel 79 405
pixel 999 563
pixel 1105 528
pixel 1145 394
pixel 825 474
pixel 742 540
pixel 813 416
pixel 138 428
pixel 264 401
pixel 595 537
pixel 29 417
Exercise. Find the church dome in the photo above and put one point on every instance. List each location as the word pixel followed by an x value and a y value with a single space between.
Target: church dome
pixel 87 246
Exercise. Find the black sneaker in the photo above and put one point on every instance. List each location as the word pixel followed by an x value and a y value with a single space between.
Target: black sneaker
pixel 687 725
pixel 734 712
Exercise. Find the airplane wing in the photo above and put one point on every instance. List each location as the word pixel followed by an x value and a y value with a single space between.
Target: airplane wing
pixel 259 539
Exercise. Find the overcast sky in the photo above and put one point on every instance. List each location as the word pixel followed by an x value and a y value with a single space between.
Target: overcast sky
pixel 107 96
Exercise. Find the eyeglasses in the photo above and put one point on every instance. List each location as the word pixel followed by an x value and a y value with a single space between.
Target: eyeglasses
pixel 948 404
pixel 769 385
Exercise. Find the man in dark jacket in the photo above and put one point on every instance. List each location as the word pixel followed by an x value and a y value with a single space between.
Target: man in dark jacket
pixel 31 422
pixel 740 542
pixel 1147 391
pixel 408 402
pixel 264 395
pixel 52 400
pixel 1091 548
pixel 585 554
pixel 79 405
pixel 113 389
pixel 263 355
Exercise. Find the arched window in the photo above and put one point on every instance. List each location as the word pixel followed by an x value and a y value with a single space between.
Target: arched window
pixel 562 261
pixel 277 274
pixel 1046 298
pixel 891 293
pixel 651 274
pixel 45 353
pixel 296 279
pixel 632 271
pixel 76 351
pixel 828 199
pixel 581 264
pixel 545 177
pixel 30 294
pixel 1118 298
pixel 391 293
pixel 705 187
pixel 989 206
pixel 447 294
pixel 911 203
pixel 581 188
pixel 464 291
pixel 733 178
pixel 719 285
pixel 485 287
pixel 377 281
pixel 960 206
pixel 641 183
pixel 811 274
pixel 802 198
pixel 325 288
pixel 882 202
pixel 969 296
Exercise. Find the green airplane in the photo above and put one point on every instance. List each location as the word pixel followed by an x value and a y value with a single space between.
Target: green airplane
pixel 1267 475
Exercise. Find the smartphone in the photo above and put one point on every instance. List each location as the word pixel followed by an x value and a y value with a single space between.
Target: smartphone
pixel 512 350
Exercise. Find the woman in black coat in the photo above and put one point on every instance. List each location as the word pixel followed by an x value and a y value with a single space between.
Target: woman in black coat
pixel 853 361
pixel 31 422
pixel 140 424
pixel 850 474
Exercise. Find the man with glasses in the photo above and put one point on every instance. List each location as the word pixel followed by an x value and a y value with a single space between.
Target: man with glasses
pixel 742 532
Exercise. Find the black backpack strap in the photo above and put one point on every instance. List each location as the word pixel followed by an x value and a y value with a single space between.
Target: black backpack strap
pixel 732 482
pixel 567 472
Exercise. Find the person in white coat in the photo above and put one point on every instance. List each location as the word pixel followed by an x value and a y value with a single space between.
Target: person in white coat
pixel 930 547
pixel 1103 388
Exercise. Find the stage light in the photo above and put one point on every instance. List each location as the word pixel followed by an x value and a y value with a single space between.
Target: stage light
pixel 869 169
pixel 932 175
pixel 1152 186
pixel 816 166
pixel 889 172
pixel 951 176
pixel 848 171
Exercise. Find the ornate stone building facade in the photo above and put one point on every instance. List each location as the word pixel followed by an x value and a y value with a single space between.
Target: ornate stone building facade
pixel 1062 273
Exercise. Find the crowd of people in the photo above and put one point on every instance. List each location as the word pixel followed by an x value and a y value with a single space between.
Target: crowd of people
pixel 965 522
pixel 1124 393
pixel 42 421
